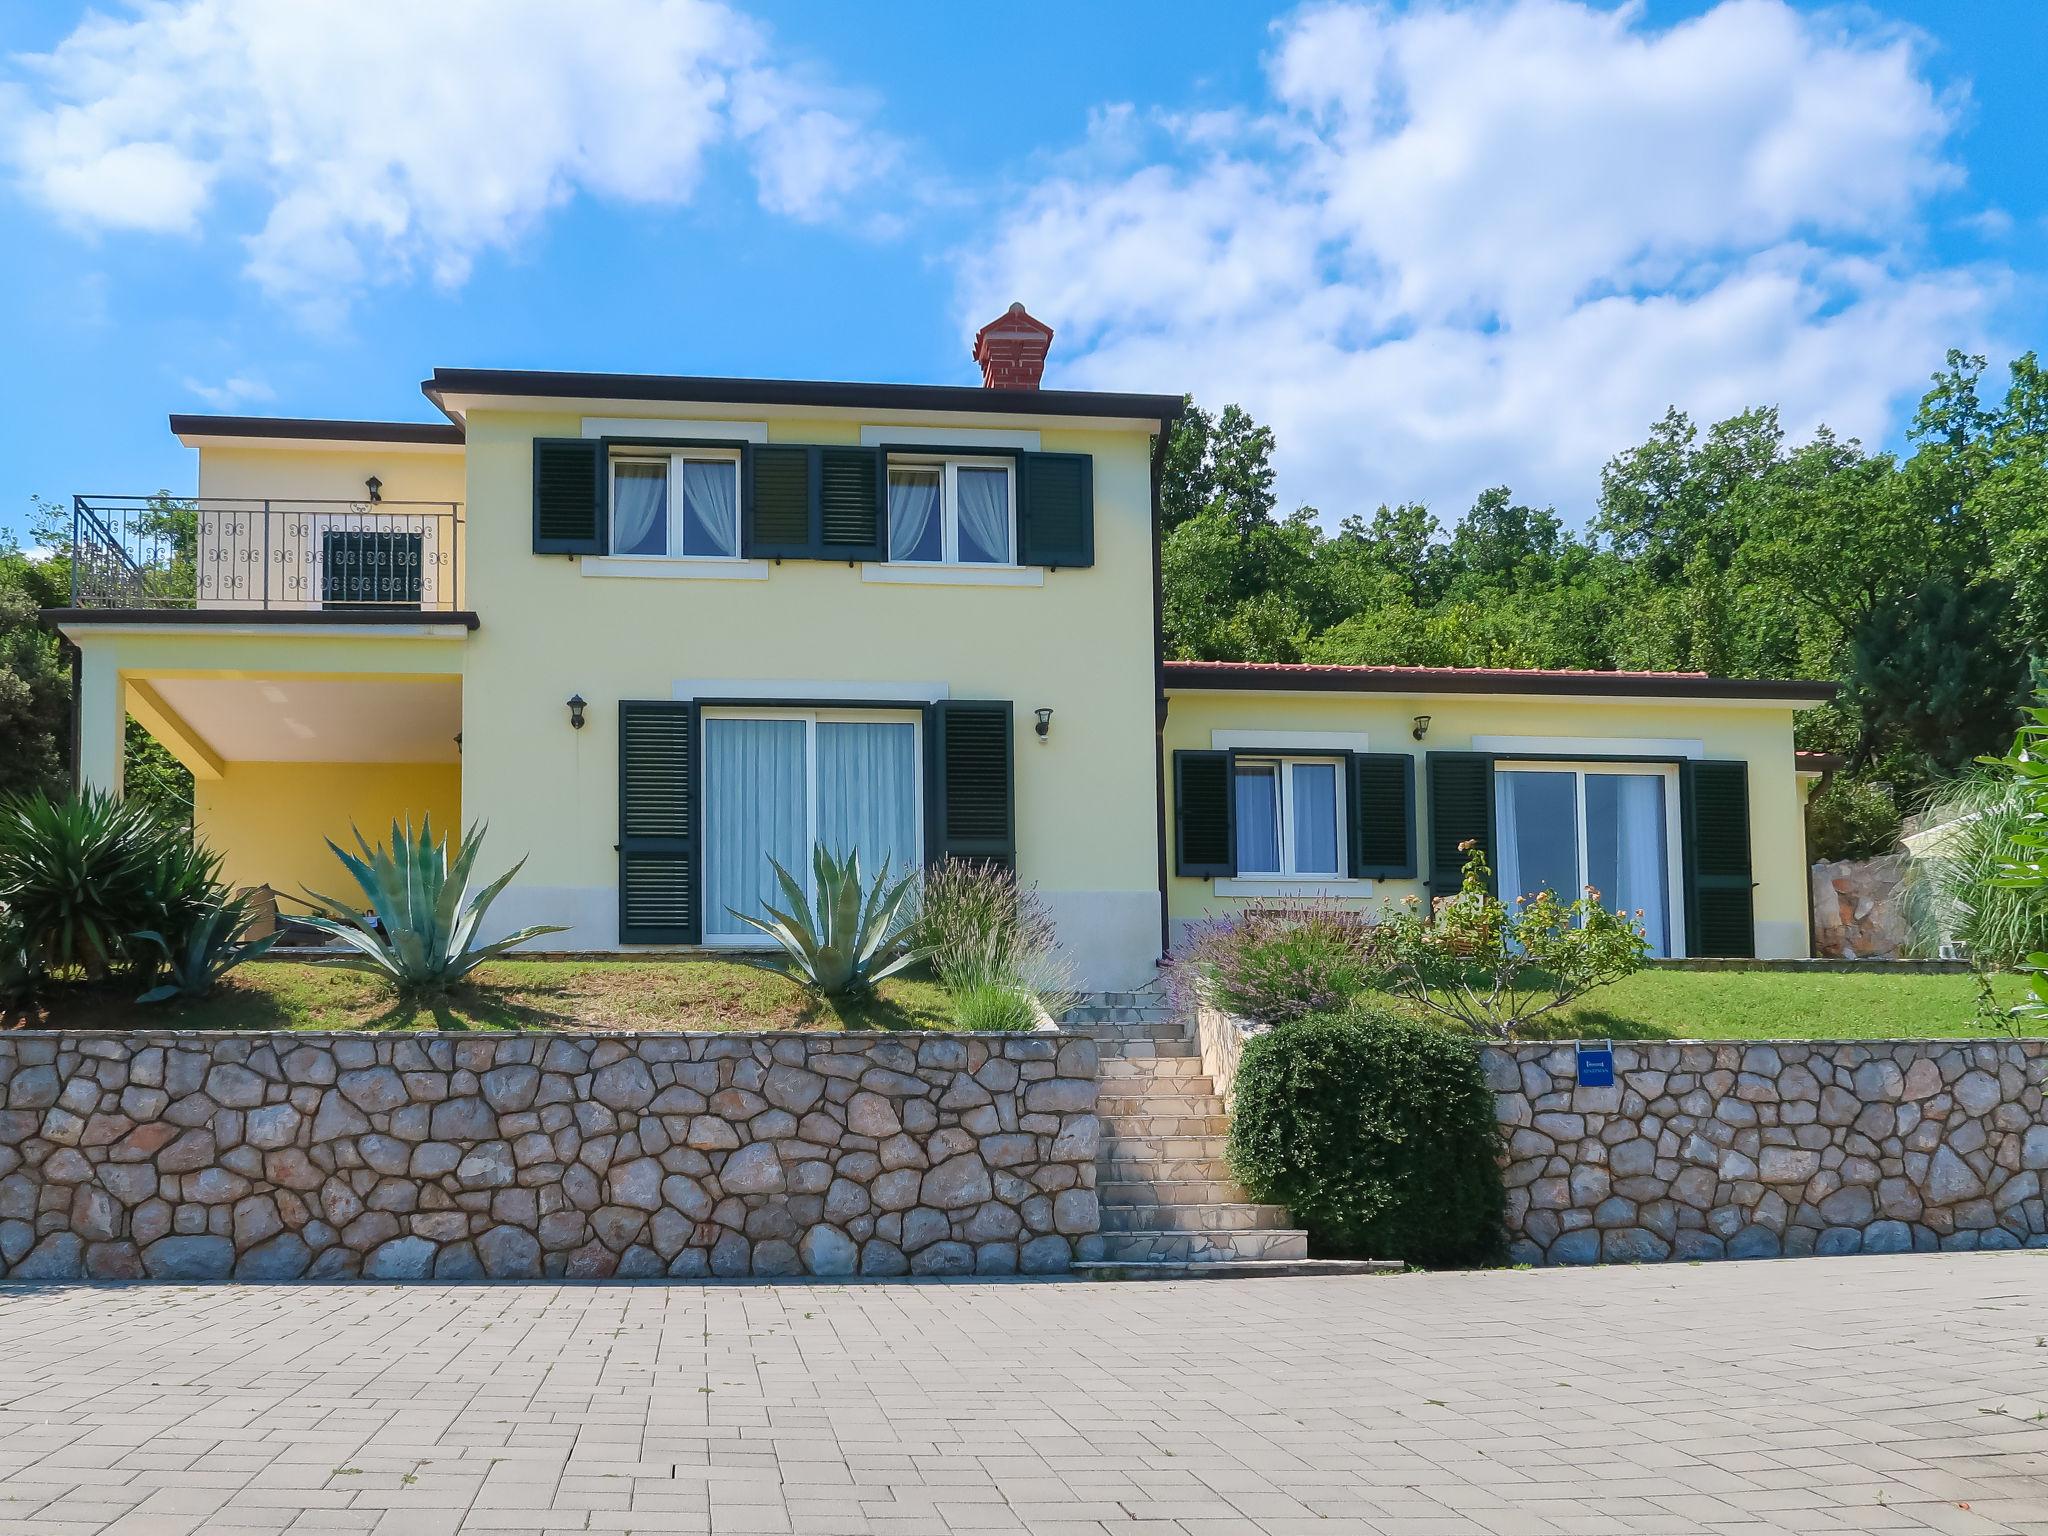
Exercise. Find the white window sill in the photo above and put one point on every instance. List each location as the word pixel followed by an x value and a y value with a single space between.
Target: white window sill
pixel 674 568
pixel 1283 885
pixel 933 575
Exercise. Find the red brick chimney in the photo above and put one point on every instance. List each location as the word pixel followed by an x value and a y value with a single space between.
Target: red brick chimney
pixel 1011 350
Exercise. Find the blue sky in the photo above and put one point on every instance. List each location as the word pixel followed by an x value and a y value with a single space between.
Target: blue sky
pixel 1438 246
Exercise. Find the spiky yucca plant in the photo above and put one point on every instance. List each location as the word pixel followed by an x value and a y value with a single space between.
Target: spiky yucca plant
pixel 80 874
pixel 852 936
pixel 424 938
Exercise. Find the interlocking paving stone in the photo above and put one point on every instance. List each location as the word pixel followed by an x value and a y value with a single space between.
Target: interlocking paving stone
pixel 1854 1395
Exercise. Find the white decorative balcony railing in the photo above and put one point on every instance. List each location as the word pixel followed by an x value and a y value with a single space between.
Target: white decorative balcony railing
pixel 210 552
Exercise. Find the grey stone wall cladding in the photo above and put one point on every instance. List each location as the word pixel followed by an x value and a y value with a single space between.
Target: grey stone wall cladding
pixel 1732 1150
pixel 413 1157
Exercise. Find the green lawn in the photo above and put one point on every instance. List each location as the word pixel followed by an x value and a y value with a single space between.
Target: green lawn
pixel 1781 1005
pixel 509 994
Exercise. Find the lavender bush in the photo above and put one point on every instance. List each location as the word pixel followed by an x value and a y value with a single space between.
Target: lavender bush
pixel 1280 959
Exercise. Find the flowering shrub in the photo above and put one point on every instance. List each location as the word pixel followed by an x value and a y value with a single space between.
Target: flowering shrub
pixel 1278 960
pixel 1493 966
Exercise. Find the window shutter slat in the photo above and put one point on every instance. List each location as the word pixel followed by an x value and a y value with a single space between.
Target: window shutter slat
pixel 1204 816
pixel 780 497
pixel 1056 518
pixel 1460 810
pixel 1382 816
pixel 658 884
pixel 850 517
pixel 973 802
pixel 1720 916
pixel 568 496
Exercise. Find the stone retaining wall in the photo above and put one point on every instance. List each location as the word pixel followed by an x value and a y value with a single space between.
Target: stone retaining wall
pixel 1726 1150
pixel 459 1157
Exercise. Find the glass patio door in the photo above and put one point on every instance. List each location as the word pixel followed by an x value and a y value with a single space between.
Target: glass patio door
pixel 1563 828
pixel 777 783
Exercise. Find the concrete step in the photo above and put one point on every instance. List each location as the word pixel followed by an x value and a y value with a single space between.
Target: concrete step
pixel 1122 1049
pixel 1202 1247
pixel 1194 1218
pixel 1120 1107
pixel 1136 1029
pixel 1192 1170
pixel 1124 1069
pixel 1146 1190
pixel 1150 1126
pixel 1232 1269
pixel 1149 1149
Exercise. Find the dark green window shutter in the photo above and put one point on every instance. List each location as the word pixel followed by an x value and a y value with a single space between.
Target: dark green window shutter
pixel 1720 911
pixel 569 494
pixel 781 495
pixel 851 521
pixel 1382 816
pixel 1204 816
pixel 1460 810
pixel 972 797
pixel 1056 518
pixel 658 780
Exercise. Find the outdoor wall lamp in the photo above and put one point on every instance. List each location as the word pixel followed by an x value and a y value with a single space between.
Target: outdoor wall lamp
pixel 1044 726
pixel 1421 727
pixel 375 487
pixel 576 711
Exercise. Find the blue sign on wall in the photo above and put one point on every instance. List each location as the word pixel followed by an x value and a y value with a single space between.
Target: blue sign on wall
pixel 1596 1065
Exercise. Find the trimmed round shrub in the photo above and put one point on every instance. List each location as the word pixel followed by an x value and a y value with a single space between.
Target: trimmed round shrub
pixel 1377 1132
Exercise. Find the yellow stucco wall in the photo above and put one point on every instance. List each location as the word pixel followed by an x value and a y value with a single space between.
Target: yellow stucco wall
pixel 271 820
pixel 1080 644
pixel 1759 735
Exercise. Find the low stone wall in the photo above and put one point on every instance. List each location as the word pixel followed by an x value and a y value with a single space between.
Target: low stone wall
pixel 1708 1151
pixel 1222 1037
pixel 459 1157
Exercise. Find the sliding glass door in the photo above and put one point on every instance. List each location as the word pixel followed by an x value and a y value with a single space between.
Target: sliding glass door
pixel 1562 827
pixel 779 782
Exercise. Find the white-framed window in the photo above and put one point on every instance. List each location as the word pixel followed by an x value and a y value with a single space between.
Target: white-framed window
pixel 952 511
pixel 778 782
pixel 682 505
pixel 1290 817
pixel 1564 826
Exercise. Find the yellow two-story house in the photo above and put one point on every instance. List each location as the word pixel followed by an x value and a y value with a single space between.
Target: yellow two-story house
pixel 654 631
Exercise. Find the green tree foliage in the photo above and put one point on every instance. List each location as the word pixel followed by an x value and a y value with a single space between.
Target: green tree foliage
pixel 1918 581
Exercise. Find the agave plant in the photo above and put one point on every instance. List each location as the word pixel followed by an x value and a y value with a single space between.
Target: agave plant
pixel 80 874
pixel 213 944
pixel 422 932
pixel 852 936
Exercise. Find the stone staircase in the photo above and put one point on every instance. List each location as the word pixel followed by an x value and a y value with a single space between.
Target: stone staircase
pixel 1168 1201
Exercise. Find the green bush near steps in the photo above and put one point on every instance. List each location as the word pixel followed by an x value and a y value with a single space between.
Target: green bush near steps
pixel 1377 1132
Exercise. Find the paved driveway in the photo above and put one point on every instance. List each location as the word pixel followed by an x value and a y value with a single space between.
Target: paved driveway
pixel 1811 1396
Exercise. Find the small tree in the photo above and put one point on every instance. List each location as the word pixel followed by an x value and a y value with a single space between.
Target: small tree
pixel 1493 966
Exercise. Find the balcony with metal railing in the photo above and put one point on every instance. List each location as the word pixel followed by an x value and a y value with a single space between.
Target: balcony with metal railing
pixel 270 554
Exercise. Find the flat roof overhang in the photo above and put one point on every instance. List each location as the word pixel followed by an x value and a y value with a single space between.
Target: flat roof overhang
pixel 447 621
pixel 309 432
pixel 453 388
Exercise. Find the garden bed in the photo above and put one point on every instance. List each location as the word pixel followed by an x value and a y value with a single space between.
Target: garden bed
pixel 573 995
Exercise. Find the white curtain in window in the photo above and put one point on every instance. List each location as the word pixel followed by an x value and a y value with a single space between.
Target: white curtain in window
pixel 640 509
pixel 867 793
pixel 984 515
pixel 1314 808
pixel 711 504
pixel 914 532
pixel 1258 819
pixel 1625 847
pixel 754 810
pixel 1536 823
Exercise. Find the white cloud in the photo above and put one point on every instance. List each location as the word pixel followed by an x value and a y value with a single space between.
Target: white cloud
pixel 1479 243
pixel 378 138
pixel 236 390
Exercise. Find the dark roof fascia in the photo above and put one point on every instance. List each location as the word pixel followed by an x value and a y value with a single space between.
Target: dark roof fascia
pixel 320 430
pixel 281 617
pixel 1229 677
pixel 799 392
